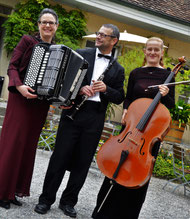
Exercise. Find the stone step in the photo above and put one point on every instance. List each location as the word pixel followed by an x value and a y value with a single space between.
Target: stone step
pixel 3 106
pixel 2 111
pixel 1 120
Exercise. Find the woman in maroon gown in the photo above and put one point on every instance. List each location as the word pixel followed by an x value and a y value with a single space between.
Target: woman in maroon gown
pixel 24 118
pixel 123 202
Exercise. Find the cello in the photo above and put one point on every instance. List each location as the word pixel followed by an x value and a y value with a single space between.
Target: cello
pixel 126 158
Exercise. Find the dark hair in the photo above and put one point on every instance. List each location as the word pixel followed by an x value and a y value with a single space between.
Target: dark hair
pixel 114 29
pixel 48 11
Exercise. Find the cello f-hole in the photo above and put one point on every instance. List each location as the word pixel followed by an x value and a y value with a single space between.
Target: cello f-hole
pixel 142 153
pixel 121 140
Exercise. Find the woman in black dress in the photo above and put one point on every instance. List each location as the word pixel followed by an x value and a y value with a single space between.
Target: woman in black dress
pixel 122 202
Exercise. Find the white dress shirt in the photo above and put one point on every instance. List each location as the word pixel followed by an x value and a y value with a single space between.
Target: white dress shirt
pixel 100 65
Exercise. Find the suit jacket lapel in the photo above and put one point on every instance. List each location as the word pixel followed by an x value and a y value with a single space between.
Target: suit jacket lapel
pixel 91 60
pixel 111 72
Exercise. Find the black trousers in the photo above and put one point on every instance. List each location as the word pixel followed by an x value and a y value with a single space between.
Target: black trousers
pixel 75 146
pixel 122 202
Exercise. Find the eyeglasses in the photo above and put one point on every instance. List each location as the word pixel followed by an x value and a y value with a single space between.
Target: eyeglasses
pixel 44 23
pixel 103 35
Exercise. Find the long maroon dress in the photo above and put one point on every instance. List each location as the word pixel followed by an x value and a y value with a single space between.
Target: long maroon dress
pixel 21 129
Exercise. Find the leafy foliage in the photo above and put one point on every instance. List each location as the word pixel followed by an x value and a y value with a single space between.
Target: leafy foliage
pixel 182 75
pixel 183 89
pixel 72 27
pixel 110 112
pixel 23 20
pixel 164 166
pixel 131 60
pixel 180 112
pixel 49 140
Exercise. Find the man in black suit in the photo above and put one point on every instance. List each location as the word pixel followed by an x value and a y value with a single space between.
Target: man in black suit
pixel 77 139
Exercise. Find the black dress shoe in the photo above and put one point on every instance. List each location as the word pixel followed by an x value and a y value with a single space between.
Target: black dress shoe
pixel 41 208
pixel 68 210
pixel 5 204
pixel 16 202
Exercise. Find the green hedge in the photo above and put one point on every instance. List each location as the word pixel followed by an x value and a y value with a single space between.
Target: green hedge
pixel 72 24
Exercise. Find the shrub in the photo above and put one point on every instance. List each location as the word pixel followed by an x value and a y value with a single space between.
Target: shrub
pixel 164 166
pixel 131 60
pixel 180 112
pixel 24 21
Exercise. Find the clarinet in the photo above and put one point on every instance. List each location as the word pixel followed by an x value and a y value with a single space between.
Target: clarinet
pixel 85 97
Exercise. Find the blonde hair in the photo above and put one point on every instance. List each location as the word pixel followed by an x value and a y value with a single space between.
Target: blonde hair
pixel 162 47
pixel 155 39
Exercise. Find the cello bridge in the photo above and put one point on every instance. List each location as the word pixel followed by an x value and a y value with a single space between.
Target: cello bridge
pixel 133 141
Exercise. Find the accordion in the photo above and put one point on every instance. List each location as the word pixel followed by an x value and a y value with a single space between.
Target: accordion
pixel 56 73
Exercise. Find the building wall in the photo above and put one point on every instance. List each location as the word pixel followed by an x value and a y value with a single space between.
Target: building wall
pixel 4 59
pixel 176 48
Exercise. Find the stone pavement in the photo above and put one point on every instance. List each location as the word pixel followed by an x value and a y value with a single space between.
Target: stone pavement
pixel 161 204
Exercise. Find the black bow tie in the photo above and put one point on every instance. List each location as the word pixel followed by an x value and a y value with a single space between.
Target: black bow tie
pixel 104 56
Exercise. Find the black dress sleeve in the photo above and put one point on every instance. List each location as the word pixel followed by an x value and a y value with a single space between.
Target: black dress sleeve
pixel 128 99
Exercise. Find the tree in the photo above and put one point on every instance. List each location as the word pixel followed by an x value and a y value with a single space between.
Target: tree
pixel 24 21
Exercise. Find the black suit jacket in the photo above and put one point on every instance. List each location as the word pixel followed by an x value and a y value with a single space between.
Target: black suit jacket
pixel 113 79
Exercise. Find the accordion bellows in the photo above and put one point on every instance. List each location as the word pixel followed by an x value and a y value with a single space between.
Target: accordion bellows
pixel 56 73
